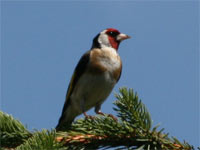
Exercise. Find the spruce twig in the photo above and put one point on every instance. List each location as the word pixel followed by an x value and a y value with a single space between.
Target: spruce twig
pixel 43 140
pixel 12 131
pixel 132 131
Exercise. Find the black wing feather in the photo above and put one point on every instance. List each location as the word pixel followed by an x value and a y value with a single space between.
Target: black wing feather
pixel 79 70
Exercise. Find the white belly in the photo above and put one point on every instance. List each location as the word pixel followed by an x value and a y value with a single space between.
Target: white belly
pixel 92 90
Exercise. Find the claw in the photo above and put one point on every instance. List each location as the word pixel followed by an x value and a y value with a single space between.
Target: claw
pixel 88 116
pixel 100 113
pixel 109 115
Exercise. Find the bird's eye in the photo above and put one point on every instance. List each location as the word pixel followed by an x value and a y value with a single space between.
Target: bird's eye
pixel 113 34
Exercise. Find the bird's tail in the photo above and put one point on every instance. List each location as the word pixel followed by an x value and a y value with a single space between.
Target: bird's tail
pixel 66 119
pixel 62 126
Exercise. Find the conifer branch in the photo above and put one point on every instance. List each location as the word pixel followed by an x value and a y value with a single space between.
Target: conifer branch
pixel 131 110
pixel 132 130
pixel 43 140
pixel 12 131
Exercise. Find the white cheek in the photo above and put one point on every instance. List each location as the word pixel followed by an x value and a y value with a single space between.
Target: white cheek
pixel 103 41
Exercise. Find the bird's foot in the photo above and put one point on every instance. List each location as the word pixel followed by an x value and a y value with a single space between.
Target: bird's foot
pixel 100 113
pixel 109 115
pixel 88 116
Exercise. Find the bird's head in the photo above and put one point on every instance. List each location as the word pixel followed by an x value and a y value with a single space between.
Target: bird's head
pixel 109 38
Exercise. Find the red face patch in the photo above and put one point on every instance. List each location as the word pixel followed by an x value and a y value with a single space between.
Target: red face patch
pixel 114 43
pixel 112 37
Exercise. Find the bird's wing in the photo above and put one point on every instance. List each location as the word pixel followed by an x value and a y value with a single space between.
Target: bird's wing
pixel 119 74
pixel 78 72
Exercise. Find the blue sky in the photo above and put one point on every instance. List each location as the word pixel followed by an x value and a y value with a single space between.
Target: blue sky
pixel 42 41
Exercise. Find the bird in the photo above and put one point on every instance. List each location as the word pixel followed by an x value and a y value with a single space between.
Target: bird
pixel 94 77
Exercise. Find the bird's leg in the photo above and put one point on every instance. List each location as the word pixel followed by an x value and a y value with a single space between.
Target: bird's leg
pixel 98 111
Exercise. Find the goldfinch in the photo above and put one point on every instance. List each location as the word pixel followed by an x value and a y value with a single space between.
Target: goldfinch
pixel 95 75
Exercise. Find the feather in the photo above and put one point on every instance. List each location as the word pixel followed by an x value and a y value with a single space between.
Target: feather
pixel 79 70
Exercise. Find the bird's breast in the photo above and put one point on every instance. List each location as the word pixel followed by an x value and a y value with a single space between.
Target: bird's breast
pixel 105 62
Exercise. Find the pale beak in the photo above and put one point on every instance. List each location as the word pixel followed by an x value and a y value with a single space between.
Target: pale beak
pixel 122 37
